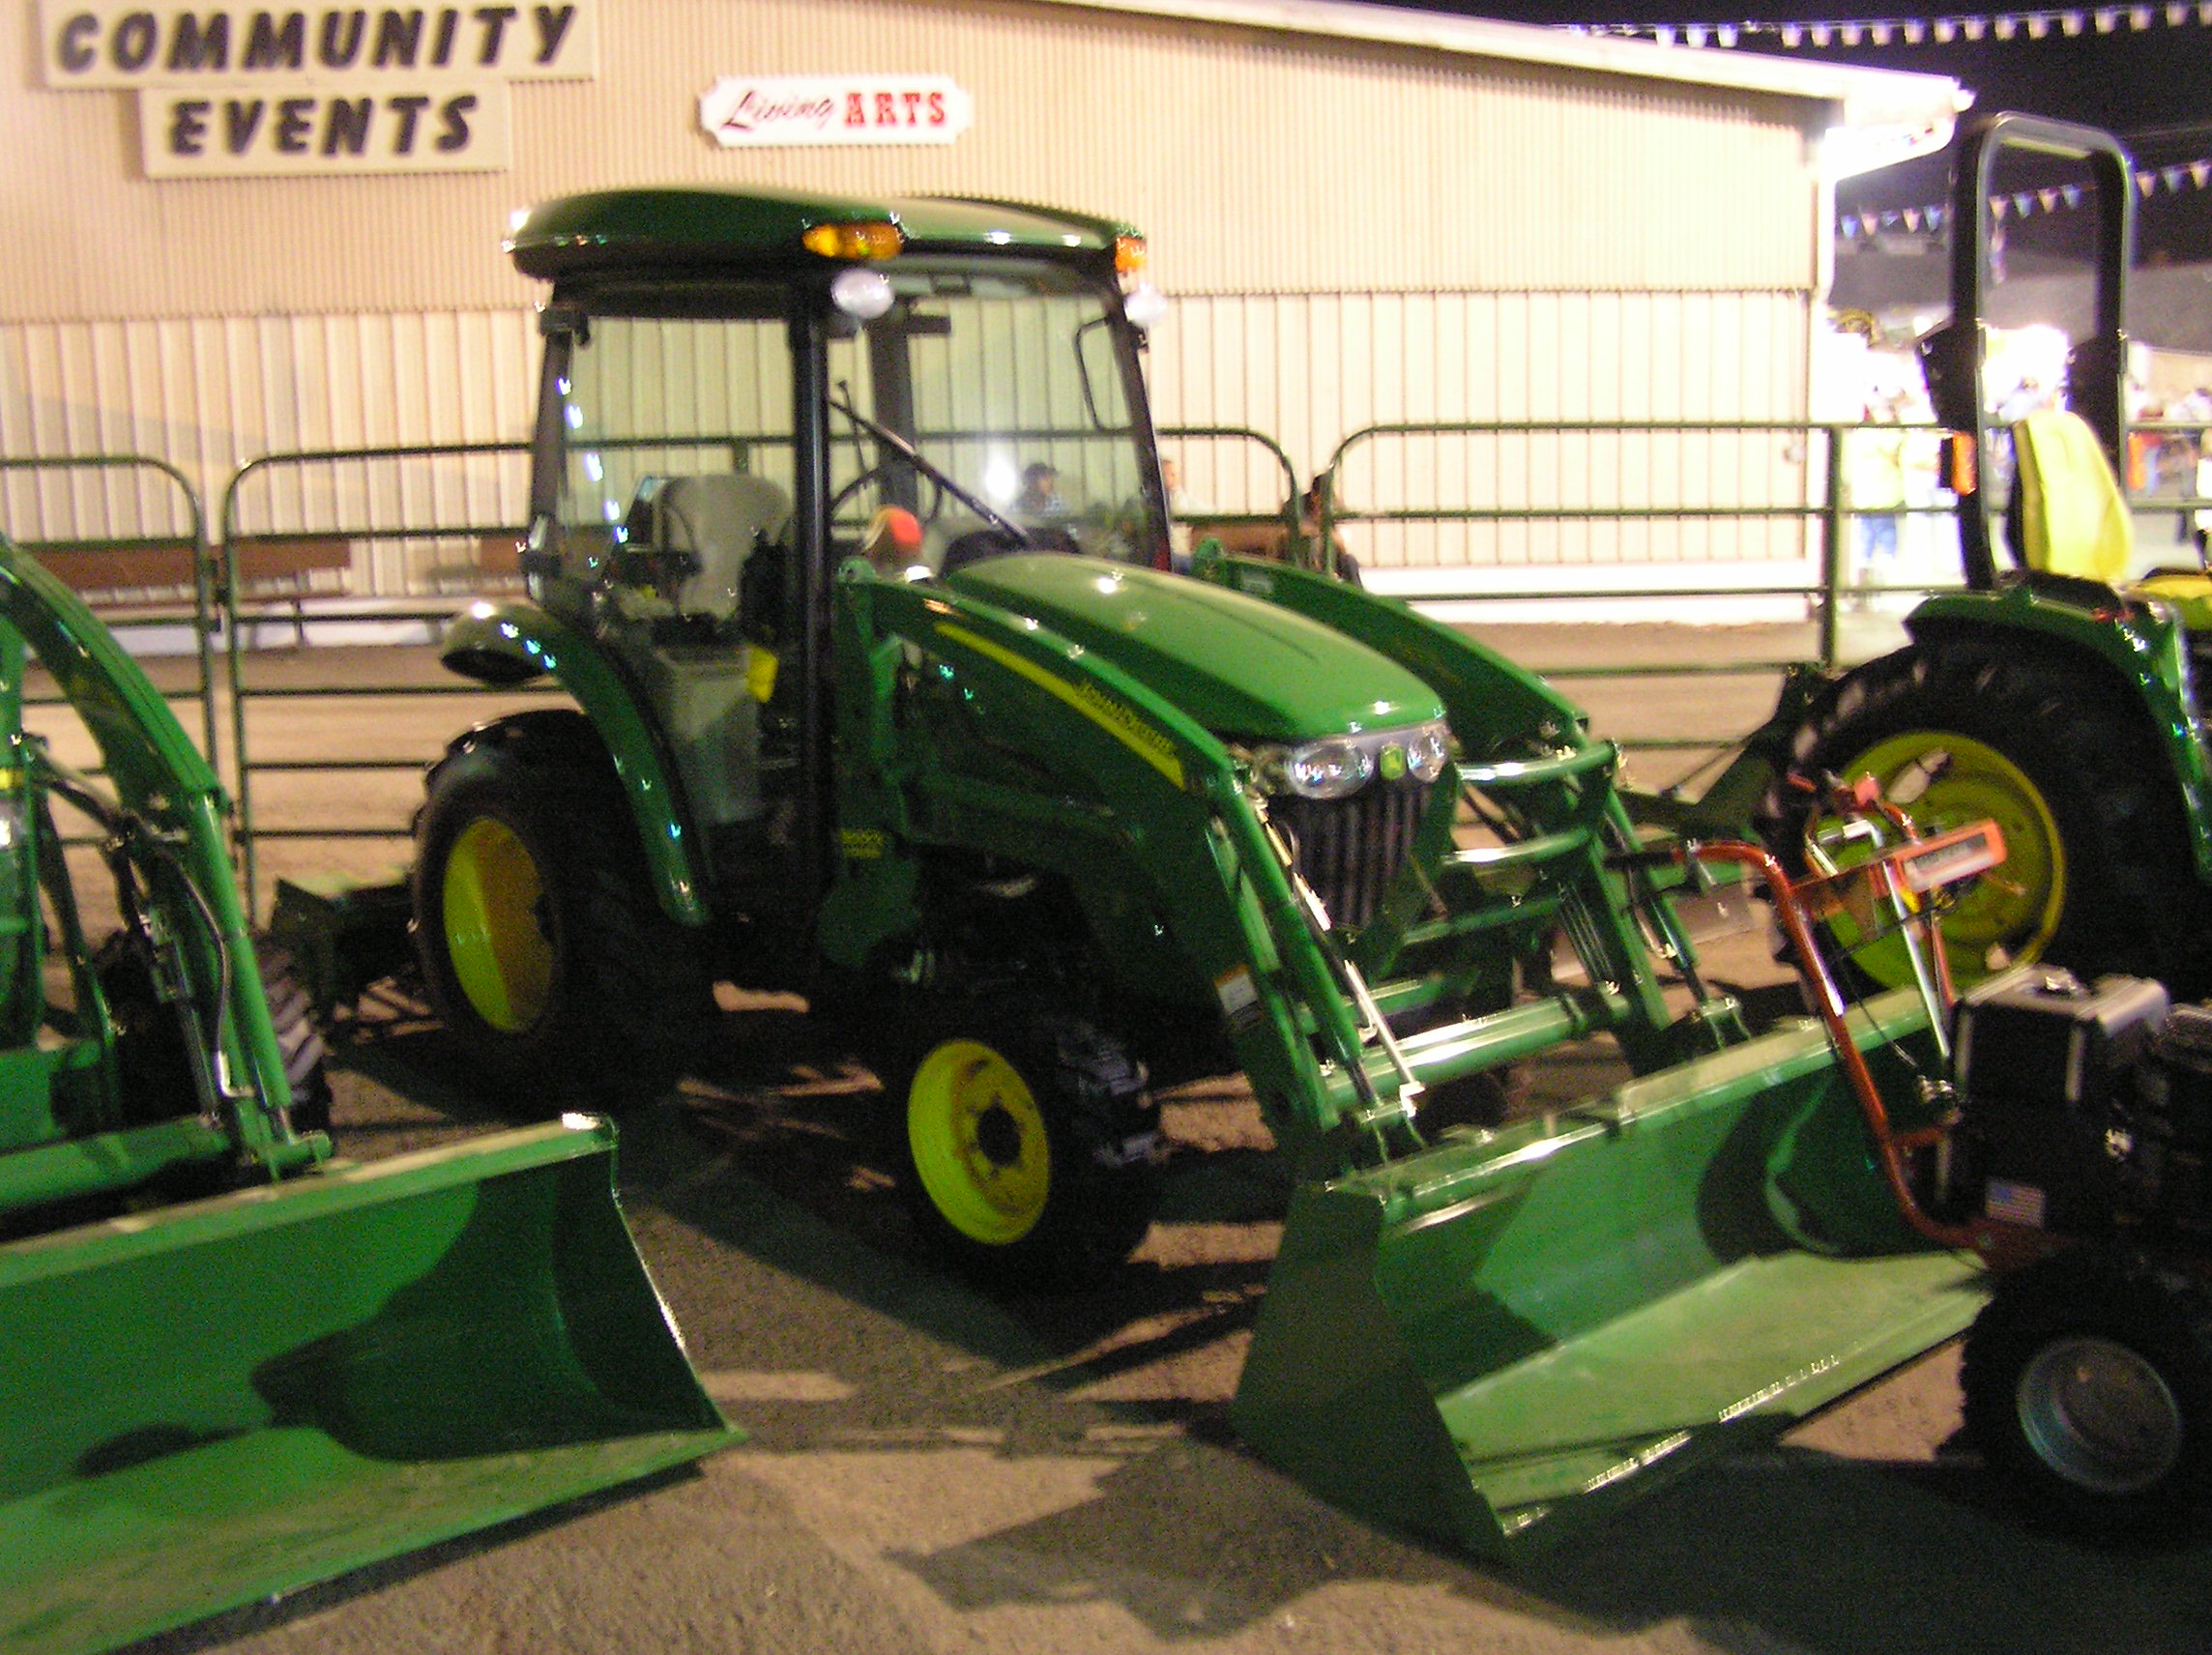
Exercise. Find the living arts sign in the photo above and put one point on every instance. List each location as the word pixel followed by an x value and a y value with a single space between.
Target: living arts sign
pixel 770 111
pixel 233 90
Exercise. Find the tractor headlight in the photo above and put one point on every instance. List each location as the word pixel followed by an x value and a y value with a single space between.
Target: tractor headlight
pixel 1336 767
pixel 1428 750
pixel 1327 769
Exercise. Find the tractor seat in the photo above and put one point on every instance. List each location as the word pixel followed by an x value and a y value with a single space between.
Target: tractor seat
pixel 700 530
pixel 2071 520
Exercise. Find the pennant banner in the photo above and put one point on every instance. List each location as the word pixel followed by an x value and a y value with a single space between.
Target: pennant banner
pixel 2028 203
pixel 1967 26
pixel 1914 31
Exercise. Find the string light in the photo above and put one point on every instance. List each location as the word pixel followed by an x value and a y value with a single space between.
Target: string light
pixel 2069 21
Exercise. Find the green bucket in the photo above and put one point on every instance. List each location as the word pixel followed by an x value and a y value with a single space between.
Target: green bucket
pixel 232 1398
pixel 1495 1340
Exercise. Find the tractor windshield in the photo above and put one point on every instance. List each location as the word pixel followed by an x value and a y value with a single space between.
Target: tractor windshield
pixel 997 407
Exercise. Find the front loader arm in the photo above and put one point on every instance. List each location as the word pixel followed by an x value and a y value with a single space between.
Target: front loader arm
pixel 168 789
pixel 1524 748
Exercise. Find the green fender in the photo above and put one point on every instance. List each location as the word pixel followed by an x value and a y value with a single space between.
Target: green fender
pixel 1181 818
pixel 513 643
pixel 2142 647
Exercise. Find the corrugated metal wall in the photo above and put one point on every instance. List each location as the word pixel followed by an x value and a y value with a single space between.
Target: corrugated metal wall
pixel 1256 162
pixel 1356 232
pixel 207 395
pixel 1312 371
pixel 1308 370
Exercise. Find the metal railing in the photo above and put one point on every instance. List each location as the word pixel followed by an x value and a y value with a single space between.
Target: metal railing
pixel 340 493
pixel 384 544
pixel 1778 489
pixel 421 529
pixel 1247 478
pixel 121 531
pixel 377 545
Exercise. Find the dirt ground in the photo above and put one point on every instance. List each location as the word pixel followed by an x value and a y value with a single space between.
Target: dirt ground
pixel 936 1471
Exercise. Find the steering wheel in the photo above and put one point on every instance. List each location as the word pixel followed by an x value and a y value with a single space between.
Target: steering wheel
pixel 978 545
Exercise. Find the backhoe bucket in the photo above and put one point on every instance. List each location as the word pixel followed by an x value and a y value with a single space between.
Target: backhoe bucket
pixel 1494 1338
pixel 232 1398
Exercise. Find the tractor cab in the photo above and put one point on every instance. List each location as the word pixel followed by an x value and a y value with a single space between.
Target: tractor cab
pixel 972 365
pixel 743 390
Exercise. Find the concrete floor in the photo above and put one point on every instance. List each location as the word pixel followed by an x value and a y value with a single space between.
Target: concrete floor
pixel 935 1470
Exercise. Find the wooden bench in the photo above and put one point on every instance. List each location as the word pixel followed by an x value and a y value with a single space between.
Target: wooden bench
pixel 102 569
pixel 279 566
pixel 98 567
pixel 493 562
pixel 265 560
pixel 1268 540
pixel 157 572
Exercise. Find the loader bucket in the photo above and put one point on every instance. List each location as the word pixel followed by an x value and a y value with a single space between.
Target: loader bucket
pixel 1490 1341
pixel 232 1398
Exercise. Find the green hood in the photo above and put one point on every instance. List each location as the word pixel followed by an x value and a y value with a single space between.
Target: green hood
pixel 1240 666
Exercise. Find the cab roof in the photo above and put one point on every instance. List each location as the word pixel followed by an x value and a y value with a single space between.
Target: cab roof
pixel 708 228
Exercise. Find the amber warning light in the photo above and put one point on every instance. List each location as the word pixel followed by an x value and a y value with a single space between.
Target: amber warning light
pixel 869 241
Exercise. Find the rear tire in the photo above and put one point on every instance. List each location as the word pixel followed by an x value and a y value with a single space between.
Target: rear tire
pixel 2087 1383
pixel 544 952
pixel 1025 1143
pixel 2097 875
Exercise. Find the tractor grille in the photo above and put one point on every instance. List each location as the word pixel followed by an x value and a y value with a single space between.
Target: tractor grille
pixel 1350 849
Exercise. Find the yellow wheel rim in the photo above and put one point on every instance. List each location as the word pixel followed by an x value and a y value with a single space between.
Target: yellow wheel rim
pixel 494 939
pixel 979 1142
pixel 1942 779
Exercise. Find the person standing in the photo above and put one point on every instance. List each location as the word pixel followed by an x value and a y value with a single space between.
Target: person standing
pixel 1874 490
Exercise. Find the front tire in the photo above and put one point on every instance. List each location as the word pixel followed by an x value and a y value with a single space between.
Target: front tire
pixel 292 1014
pixel 154 1067
pixel 2097 875
pixel 542 947
pixel 2087 1383
pixel 1025 1144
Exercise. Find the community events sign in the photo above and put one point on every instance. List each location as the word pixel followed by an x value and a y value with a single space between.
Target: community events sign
pixel 231 90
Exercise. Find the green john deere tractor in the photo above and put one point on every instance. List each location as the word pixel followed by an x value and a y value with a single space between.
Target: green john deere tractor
pixel 2054 695
pixel 865 712
pixel 846 543
pixel 234 1364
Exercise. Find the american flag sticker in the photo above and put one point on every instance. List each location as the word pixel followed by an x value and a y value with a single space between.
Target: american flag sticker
pixel 2014 1203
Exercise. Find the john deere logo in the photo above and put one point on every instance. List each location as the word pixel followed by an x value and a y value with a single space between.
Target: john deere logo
pixel 1392 763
